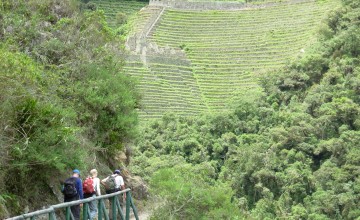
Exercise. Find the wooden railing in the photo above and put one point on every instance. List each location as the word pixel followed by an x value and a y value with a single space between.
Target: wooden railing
pixel 116 209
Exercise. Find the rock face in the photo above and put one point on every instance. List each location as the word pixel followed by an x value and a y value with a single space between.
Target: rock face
pixel 121 157
pixel 139 189
pixel 3 212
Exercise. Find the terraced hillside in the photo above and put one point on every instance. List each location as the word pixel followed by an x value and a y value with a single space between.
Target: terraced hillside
pixel 166 86
pixel 228 50
pixel 113 7
pixel 191 61
pixel 244 1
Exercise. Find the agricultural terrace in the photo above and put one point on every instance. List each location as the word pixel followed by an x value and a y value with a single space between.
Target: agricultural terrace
pixel 115 10
pixel 223 51
pixel 228 50
pixel 243 1
pixel 166 85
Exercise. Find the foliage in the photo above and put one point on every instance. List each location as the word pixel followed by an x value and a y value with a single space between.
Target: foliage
pixel 188 189
pixel 121 18
pixel 291 154
pixel 63 96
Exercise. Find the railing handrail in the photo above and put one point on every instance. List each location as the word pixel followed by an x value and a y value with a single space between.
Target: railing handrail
pixel 67 204
pixel 81 201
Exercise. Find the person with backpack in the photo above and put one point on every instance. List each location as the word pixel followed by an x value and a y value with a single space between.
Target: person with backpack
pixel 91 188
pixel 114 183
pixel 72 191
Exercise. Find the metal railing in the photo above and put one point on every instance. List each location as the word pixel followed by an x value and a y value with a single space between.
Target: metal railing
pixel 116 208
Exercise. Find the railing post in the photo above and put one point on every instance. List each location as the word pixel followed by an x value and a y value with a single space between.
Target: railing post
pixel 100 211
pixel 133 207
pixel 52 216
pixel 85 211
pixel 122 217
pixel 127 215
pixel 68 213
pixel 113 207
pixel 104 211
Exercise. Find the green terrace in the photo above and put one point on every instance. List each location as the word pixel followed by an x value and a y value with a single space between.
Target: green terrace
pixel 166 88
pixel 248 1
pixel 224 51
pixel 229 50
pixel 113 7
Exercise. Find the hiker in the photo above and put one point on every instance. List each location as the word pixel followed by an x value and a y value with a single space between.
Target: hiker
pixel 114 182
pixel 91 188
pixel 73 191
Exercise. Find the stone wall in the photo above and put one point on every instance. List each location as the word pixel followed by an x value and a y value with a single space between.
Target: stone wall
pixel 186 5
pixel 141 48
pixel 197 5
pixel 136 41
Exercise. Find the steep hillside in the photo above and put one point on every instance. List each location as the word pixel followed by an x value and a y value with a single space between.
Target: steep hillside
pixel 224 52
pixel 65 102
pixel 292 153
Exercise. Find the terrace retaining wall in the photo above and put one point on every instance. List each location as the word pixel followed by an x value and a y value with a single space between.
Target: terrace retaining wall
pixel 183 4
pixel 197 5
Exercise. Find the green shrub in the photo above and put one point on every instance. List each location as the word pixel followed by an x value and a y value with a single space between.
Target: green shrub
pixel 121 18
pixel 91 6
pixel 188 189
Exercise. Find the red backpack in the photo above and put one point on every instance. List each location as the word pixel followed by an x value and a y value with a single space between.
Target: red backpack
pixel 88 186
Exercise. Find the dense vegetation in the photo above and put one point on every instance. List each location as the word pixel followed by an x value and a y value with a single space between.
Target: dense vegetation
pixel 64 100
pixel 293 153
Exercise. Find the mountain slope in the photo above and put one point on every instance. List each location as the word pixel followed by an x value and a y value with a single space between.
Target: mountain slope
pixel 226 52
